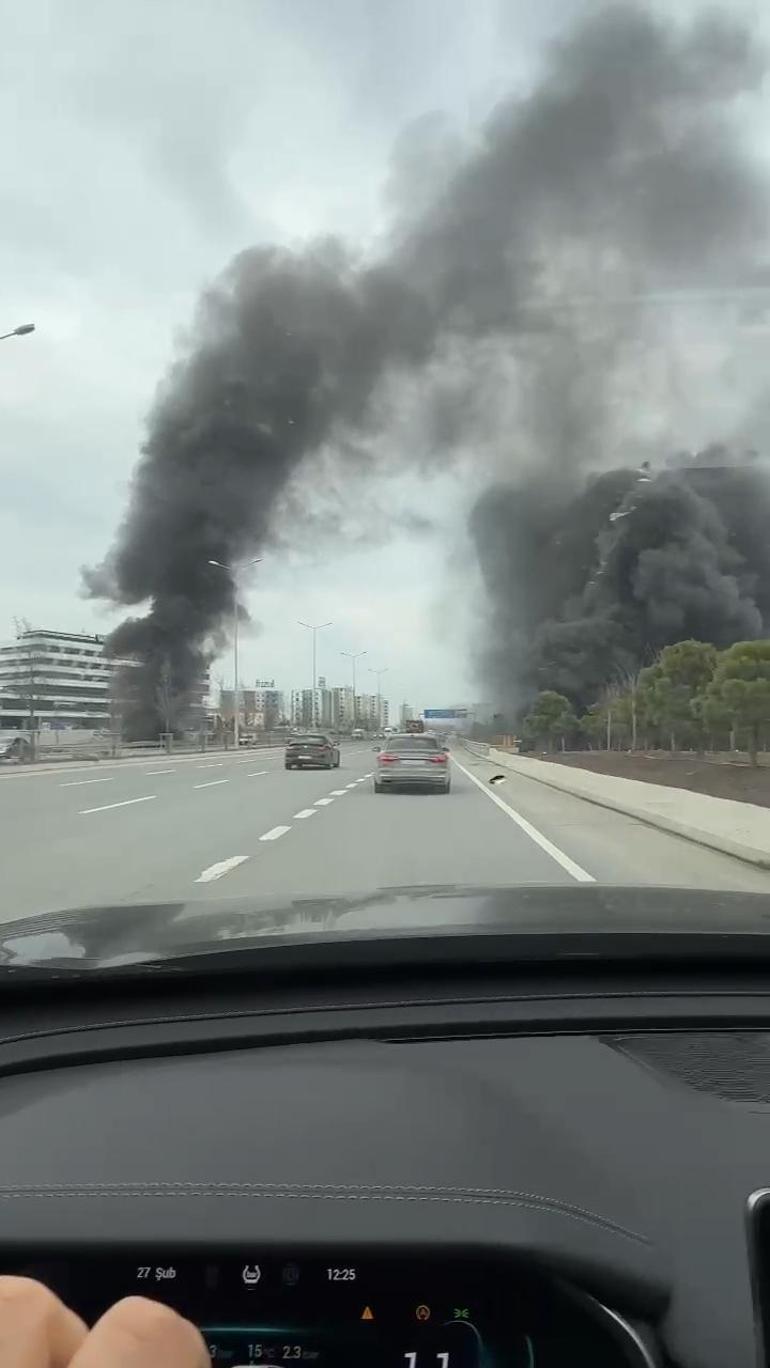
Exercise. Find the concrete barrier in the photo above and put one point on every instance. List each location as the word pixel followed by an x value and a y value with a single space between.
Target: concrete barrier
pixel 739 829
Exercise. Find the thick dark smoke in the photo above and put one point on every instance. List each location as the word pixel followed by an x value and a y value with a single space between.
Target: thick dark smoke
pixel 637 560
pixel 522 295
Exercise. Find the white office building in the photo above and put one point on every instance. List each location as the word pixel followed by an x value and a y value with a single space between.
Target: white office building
pixel 56 681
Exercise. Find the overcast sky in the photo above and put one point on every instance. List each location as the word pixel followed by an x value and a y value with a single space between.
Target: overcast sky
pixel 143 145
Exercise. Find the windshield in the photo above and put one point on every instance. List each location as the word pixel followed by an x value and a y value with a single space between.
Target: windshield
pixel 381 383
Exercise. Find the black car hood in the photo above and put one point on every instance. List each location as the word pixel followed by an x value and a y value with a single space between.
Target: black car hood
pixel 520 922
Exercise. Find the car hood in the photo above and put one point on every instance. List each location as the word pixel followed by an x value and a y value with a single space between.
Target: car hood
pixel 531 921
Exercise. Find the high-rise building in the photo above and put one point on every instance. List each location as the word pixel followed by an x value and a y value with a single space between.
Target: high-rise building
pixel 371 712
pixel 58 680
pixel 405 714
pixel 268 704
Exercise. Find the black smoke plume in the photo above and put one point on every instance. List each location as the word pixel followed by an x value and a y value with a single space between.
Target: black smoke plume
pixel 526 295
pixel 637 560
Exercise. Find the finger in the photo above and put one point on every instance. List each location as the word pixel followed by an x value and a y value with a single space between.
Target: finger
pixel 36 1329
pixel 136 1333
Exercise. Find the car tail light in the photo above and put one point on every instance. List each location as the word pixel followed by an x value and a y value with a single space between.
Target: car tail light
pixel 438 759
pixel 386 759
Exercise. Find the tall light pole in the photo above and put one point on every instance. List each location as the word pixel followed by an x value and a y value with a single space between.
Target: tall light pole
pixel 21 331
pixel 315 628
pixel 379 674
pixel 353 656
pixel 232 571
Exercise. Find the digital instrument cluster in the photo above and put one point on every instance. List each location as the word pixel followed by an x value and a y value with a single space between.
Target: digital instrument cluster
pixel 254 1307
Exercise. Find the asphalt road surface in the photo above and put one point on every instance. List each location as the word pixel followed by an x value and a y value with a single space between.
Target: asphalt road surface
pixel 202 826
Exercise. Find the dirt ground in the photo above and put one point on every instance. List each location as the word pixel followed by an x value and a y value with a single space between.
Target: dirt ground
pixel 722 776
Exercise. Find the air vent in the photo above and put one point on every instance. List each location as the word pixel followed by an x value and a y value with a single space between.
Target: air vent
pixel 730 1064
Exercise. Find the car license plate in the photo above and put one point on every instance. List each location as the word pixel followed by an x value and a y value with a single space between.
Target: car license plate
pixel 305 757
pixel 413 762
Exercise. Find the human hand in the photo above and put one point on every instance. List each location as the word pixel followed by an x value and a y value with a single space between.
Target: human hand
pixel 39 1331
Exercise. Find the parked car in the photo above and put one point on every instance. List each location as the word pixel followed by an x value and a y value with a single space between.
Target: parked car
pixel 311 750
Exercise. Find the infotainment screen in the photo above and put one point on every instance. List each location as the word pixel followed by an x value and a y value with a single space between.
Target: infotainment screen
pixel 337 1311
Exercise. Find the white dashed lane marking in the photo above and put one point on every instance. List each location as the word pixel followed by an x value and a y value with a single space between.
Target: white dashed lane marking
pixel 255 774
pixel 323 802
pixel 274 833
pixel 84 812
pixel 306 812
pixel 337 793
pixel 216 871
pixel 350 786
pixel 211 783
pixel 160 772
pixel 217 765
pixel 78 783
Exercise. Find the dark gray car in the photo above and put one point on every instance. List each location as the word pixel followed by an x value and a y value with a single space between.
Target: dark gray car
pixel 411 760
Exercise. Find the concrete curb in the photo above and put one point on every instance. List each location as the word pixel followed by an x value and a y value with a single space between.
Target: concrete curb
pixel 573 782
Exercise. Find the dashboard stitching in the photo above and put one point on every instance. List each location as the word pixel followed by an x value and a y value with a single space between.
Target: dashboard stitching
pixel 328 1192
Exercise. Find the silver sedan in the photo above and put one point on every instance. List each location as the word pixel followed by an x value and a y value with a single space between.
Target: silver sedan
pixel 411 760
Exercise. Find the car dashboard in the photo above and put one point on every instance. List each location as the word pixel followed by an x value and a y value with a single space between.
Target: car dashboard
pixel 524 1168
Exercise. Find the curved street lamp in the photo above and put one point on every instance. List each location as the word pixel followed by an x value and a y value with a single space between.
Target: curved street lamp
pixel 21 331
pixel 232 571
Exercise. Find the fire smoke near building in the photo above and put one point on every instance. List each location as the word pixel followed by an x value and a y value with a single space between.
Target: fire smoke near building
pixel 532 298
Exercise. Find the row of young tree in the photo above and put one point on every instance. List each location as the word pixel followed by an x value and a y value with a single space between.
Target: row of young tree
pixel 693 697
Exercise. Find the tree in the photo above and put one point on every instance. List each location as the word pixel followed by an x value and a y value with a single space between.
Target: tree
pixel 551 717
pixel 167 700
pixel 741 686
pixel 593 725
pixel 668 688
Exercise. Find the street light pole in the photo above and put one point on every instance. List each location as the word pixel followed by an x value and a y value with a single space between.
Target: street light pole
pixel 379 674
pixel 21 331
pixel 353 656
pixel 315 628
pixel 232 570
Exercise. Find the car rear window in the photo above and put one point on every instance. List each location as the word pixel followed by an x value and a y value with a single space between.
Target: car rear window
pixel 308 741
pixel 411 742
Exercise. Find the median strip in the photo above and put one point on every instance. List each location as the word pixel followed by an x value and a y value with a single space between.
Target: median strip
pixel 274 833
pixel 216 871
pixel 84 812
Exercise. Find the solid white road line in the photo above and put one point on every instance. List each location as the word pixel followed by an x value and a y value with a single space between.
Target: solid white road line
pixel 126 803
pixel 216 871
pixel 571 867
pixel 255 774
pixel 274 833
pixel 306 812
pixel 78 783
pixel 211 783
pixel 323 802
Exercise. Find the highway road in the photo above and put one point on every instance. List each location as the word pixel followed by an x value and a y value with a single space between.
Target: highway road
pixel 201 826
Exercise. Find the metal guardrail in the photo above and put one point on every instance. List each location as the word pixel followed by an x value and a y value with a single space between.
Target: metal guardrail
pixel 476 747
